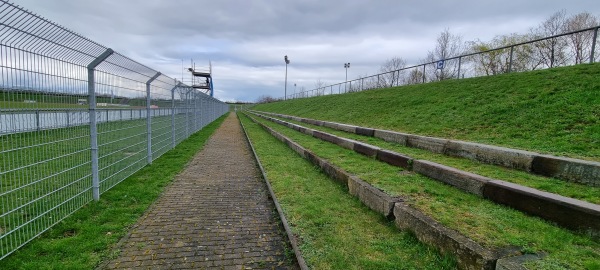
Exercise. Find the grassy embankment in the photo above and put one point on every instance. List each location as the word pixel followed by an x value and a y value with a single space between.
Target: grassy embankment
pixel 554 111
pixel 335 230
pixel 487 223
pixel 88 236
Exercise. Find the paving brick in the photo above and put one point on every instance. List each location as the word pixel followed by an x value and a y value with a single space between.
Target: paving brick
pixel 216 214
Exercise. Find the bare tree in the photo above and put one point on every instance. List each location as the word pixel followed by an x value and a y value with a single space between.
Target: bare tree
pixel 265 99
pixel 448 45
pixel 580 43
pixel 550 52
pixel 415 76
pixel 364 82
pixel 392 69
pixel 498 61
pixel 319 87
pixel 302 92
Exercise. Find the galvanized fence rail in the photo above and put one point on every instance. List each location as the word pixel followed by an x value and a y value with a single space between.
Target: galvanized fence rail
pixel 77 118
pixel 564 49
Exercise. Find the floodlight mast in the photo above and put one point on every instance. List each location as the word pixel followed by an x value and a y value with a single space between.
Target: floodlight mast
pixel 346 66
pixel 287 62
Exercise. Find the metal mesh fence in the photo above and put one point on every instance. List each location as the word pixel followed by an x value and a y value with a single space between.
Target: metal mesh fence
pixel 565 49
pixel 76 119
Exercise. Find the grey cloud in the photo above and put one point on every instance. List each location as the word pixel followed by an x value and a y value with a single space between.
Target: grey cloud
pixel 246 40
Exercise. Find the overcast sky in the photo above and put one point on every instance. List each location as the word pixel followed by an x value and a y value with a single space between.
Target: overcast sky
pixel 247 40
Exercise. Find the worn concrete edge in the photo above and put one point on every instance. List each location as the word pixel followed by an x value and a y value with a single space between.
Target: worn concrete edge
pixel 476 184
pixel 470 254
pixel 374 198
pixel 417 219
pixel 299 258
pixel 517 262
pixel 359 147
pixel 330 170
pixel 324 136
pixel 568 212
pixel 569 169
pixel 465 181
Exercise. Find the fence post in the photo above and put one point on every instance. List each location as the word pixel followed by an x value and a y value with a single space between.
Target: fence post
pixel 37 120
pixel 510 63
pixel 197 104
pixel 202 111
pixel 423 73
pixel 194 113
pixel 459 63
pixel 93 125
pixel 187 113
pixel 594 45
pixel 173 116
pixel 149 118
pixel 552 56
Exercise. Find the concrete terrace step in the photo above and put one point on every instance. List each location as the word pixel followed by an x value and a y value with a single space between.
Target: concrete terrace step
pixel 568 169
pixel 470 254
pixel 568 212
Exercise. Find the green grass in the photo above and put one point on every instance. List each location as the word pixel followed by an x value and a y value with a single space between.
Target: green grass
pixel 335 230
pixel 41 170
pixel 88 236
pixel 487 223
pixel 48 100
pixel 40 105
pixel 557 186
pixel 554 111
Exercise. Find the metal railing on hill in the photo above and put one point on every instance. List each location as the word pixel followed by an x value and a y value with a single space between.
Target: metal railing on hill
pixel 76 119
pixel 565 49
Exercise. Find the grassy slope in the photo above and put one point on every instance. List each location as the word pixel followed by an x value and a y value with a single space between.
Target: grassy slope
pixel 335 230
pixel 569 189
pixel 489 224
pixel 87 237
pixel 553 111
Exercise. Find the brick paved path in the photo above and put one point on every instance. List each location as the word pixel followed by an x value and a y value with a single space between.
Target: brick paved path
pixel 215 215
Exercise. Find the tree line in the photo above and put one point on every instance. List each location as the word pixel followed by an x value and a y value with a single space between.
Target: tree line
pixel 548 53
